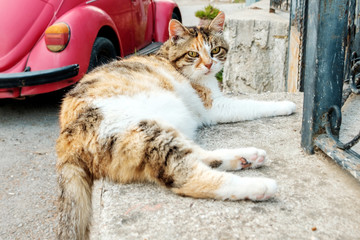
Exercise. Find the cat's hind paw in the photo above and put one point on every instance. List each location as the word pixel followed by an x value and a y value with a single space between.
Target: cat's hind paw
pixel 243 188
pixel 250 158
pixel 266 189
pixel 256 157
pixel 236 159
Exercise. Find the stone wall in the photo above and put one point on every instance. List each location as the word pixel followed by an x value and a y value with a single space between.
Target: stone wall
pixel 257 60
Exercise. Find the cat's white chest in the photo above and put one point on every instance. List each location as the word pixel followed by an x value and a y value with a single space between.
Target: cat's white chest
pixel 192 102
pixel 122 112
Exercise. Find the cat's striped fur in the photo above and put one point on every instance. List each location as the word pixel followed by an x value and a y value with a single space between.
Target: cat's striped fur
pixel 132 121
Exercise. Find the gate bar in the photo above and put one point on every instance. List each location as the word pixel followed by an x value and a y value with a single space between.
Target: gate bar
pixel 325 42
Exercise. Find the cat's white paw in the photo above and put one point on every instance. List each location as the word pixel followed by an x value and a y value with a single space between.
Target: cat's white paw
pixel 255 189
pixel 264 189
pixel 237 159
pixel 250 158
pixel 286 108
pixel 254 156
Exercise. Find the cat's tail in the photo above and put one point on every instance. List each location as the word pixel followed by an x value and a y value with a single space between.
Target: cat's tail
pixel 75 201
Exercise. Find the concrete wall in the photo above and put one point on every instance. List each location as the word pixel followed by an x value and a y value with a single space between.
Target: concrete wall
pixel 257 60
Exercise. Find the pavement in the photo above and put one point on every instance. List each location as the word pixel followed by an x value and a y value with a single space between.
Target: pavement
pixel 28 186
pixel 317 199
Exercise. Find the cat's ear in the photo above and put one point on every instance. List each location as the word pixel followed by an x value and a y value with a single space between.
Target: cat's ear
pixel 217 24
pixel 177 31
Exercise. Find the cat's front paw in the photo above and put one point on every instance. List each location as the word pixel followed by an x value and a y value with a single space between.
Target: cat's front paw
pixel 286 108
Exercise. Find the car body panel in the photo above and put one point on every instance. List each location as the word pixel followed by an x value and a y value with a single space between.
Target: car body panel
pixel 83 36
pixel 143 22
pixel 17 44
pixel 133 25
pixel 123 19
pixel 161 32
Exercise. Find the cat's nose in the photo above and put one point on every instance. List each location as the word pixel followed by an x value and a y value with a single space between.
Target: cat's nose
pixel 208 65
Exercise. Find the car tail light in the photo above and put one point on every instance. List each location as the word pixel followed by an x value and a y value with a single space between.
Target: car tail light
pixel 57 37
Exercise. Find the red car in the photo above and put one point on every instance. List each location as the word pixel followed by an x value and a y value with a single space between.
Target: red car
pixel 46 45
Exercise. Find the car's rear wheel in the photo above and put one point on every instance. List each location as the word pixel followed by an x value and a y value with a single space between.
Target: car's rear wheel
pixel 176 16
pixel 102 52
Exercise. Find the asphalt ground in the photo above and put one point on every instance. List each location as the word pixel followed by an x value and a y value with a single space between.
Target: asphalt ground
pixel 28 192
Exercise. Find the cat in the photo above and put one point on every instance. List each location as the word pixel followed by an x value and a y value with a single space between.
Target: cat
pixel 133 120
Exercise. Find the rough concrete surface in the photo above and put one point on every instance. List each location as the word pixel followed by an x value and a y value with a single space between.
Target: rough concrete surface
pixel 257 59
pixel 316 198
pixel 314 192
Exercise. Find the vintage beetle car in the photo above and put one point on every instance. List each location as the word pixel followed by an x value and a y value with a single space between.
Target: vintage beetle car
pixel 46 45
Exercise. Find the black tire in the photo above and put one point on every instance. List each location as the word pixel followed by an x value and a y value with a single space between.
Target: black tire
pixel 176 16
pixel 102 52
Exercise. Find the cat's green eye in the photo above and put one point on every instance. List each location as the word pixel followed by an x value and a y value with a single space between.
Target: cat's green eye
pixel 193 54
pixel 215 50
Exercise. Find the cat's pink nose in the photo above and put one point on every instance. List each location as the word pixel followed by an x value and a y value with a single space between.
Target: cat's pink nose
pixel 208 65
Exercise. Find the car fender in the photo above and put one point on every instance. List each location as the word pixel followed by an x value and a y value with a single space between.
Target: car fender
pixel 85 22
pixel 163 14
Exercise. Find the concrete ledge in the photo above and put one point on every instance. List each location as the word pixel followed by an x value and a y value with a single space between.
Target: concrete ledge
pixel 257 60
pixel 316 198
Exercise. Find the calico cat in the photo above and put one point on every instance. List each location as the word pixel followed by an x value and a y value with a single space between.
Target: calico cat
pixel 133 120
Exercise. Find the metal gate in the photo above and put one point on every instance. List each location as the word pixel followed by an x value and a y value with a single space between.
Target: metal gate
pixel 328 59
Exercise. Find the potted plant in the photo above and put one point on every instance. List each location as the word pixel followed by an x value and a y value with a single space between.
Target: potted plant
pixel 206 15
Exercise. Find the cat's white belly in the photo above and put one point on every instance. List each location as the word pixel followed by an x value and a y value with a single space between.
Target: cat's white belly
pixel 122 112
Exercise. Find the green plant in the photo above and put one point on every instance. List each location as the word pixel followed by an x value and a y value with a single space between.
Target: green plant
pixel 209 12
pixel 219 75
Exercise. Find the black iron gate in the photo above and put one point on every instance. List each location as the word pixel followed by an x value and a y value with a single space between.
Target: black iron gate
pixel 329 56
